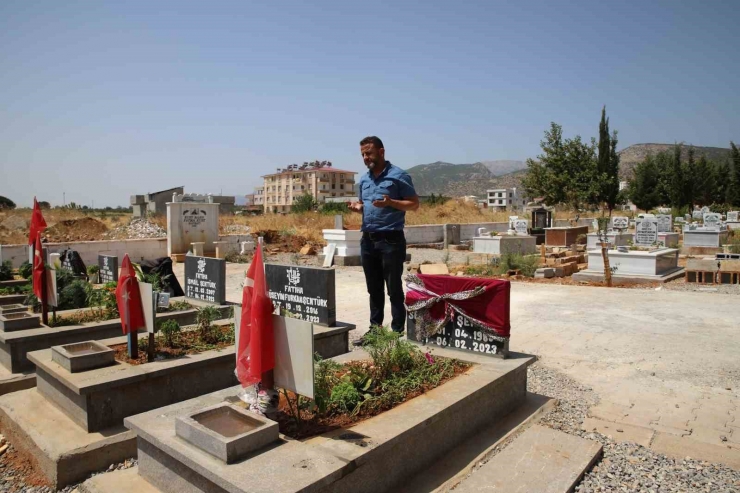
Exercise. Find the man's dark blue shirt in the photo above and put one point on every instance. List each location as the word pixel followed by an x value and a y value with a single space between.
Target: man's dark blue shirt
pixel 393 182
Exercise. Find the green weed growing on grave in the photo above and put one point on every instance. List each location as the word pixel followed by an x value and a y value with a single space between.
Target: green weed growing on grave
pixel 25 270
pixel 345 397
pixel 204 318
pixel 170 331
pixel 525 264
pixel 6 271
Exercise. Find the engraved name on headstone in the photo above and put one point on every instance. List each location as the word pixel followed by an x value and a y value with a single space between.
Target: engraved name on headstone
pixel 646 231
pixel 108 265
pixel 308 293
pixel 461 333
pixel 205 279
pixel 620 222
pixel 521 226
pixel 712 220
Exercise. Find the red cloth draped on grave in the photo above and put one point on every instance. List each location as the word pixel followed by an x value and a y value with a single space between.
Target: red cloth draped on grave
pixel 128 298
pixel 256 351
pixel 39 270
pixel 433 300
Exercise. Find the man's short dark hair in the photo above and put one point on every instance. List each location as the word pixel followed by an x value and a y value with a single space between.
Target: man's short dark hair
pixel 375 141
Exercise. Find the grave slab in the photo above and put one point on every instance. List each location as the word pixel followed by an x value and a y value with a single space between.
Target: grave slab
pixel 362 458
pixel 499 245
pixel 704 238
pixel 659 265
pixel 15 308
pixel 564 236
pixel 540 460
pixel 13 382
pixel 12 322
pixel 616 239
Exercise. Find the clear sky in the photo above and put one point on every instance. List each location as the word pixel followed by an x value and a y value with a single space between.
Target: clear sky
pixel 101 100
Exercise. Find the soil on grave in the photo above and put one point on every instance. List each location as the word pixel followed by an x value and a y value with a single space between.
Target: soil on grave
pixel 276 242
pixel 188 342
pixel 314 425
pixel 23 468
pixel 83 229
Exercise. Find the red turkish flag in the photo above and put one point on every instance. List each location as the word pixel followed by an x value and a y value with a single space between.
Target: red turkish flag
pixel 256 351
pixel 38 224
pixel 39 270
pixel 128 297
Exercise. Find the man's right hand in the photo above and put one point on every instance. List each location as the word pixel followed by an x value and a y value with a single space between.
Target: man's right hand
pixel 355 206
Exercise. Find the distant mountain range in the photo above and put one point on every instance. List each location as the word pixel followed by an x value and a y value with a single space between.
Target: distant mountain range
pixel 457 180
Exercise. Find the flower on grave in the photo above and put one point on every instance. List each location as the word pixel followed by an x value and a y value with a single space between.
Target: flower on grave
pixel 430 358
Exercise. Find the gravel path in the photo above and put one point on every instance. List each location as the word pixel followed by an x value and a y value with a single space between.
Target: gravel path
pixel 625 466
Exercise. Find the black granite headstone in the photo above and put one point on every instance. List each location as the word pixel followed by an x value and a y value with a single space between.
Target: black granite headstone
pixel 108 268
pixel 205 279
pixel 70 260
pixel 309 293
pixel 461 334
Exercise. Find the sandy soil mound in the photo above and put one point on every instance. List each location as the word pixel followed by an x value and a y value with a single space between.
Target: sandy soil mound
pixel 83 229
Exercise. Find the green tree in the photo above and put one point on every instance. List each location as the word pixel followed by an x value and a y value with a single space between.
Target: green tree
pixel 608 165
pixel 643 190
pixel 705 183
pixel 733 193
pixel 565 173
pixel 304 203
pixel 6 203
pixel 44 205
pixel 663 161
pixel 723 181
pixel 688 170
pixel 676 181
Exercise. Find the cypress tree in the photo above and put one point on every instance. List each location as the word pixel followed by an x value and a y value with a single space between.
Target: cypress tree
pixel 677 180
pixel 733 194
pixel 643 189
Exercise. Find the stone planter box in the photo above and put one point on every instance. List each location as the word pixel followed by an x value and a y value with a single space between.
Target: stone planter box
pixel 564 236
pixel 499 245
pixel 704 238
pixel 616 239
pixel 14 346
pixel 82 356
pixel 226 431
pixel 658 265
pixel 15 308
pixel 375 455
pixel 12 299
pixel 11 322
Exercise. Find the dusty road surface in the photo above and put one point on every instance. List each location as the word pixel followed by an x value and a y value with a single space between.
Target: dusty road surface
pixel 663 363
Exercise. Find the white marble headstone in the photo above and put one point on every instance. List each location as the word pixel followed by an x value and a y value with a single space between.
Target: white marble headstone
pixel 665 223
pixel 732 216
pixel 521 226
pixel 620 222
pixel 712 220
pixel 646 231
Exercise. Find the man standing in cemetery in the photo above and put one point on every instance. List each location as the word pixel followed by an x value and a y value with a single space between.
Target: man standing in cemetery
pixel 386 192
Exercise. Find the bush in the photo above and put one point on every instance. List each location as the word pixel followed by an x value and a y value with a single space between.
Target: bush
pixel 345 397
pixel 74 295
pixel 304 203
pixel 6 271
pixel 331 208
pixel 170 329
pixel 205 317
pixel 389 352
pixel 93 269
pixel 525 264
pixel 26 270
pixel 6 203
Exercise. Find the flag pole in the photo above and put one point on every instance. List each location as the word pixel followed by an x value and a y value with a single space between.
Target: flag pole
pixel 268 377
pixel 133 340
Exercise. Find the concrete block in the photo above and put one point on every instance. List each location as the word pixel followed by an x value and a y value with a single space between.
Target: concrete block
pixel 227 432
pixel 682 447
pixel 560 461
pixel 14 308
pixel 10 322
pixel 544 273
pixel 82 356
pixel 702 264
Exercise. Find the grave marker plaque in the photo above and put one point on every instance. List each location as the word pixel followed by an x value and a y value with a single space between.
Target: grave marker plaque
pixel 108 265
pixel 712 220
pixel 460 333
pixel 521 226
pixel 665 223
pixel 620 222
pixel 646 231
pixel 732 216
pixel 205 279
pixel 309 293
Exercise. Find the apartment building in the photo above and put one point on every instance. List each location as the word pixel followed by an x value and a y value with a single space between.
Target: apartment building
pixel 319 179
pixel 506 199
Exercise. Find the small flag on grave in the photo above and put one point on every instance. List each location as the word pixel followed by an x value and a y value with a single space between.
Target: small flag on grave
pixel 38 225
pixel 256 351
pixel 39 269
pixel 128 298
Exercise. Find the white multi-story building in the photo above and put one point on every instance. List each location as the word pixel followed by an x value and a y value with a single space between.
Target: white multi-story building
pixel 320 180
pixel 506 199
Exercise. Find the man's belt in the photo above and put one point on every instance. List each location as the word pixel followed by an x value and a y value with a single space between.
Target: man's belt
pixel 383 235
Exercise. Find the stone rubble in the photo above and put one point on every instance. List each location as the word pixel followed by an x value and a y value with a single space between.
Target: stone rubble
pixel 138 228
pixel 236 229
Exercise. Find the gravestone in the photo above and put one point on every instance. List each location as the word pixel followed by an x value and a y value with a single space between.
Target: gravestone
pixel 191 219
pixel 697 215
pixel 309 293
pixel 733 216
pixel 620 222
pixel 205 279
pixel 521 226
pixel 712 220
pixel 541 219
pixel 646 231
pixel 665 223
pixel 512 220
pixel 705 209
pixel 70 260
pixel 687 217
pixel 664 210
pixel 108 265
pixel 461 333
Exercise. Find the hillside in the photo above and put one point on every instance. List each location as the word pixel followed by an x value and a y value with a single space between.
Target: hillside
pixel 455 180
pixel 634 154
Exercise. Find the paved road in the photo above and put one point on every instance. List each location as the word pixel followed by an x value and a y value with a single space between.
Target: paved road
pixel 665 362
